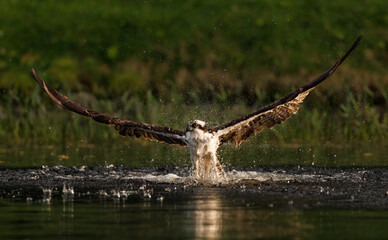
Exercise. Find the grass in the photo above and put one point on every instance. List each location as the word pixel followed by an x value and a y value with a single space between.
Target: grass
pixel 145 60
pixel 38 120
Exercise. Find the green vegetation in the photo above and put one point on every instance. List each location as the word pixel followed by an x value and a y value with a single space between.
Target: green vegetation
pixel 147 60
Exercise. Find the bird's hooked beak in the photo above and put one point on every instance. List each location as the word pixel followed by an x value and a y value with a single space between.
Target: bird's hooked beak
pixel 191 127
pixel 195 125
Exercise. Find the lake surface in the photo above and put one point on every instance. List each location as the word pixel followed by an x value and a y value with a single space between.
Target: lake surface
pixel 147 153
pixel 205 215
pixel 146 191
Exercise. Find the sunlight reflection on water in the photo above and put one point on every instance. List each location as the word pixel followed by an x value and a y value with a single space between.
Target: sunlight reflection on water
pixel 205 214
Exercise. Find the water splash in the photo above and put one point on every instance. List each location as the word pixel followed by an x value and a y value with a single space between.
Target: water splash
pixel 67 193
pixel 120 183
pixel 46 198
pixel 181 175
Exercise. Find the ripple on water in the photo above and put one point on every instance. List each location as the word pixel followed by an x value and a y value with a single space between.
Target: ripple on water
pixel 160 183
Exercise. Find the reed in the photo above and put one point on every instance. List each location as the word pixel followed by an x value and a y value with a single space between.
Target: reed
pixel 212 60
pixel 38 120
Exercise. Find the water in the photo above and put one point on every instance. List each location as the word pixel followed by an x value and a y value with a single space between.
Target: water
pixel 146 191
pixel 146 153
pixel 203 215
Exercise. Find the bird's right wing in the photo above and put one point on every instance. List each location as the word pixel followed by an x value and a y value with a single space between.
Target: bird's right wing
pixel 124 127
pixel 275 113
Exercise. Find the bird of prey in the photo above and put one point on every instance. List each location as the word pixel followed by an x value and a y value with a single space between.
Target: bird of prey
pixel 203 141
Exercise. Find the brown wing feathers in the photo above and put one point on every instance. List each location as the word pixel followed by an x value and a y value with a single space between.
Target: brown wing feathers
pixel 275 113
pixel 242 130
pixel 124 127
pixel 236 130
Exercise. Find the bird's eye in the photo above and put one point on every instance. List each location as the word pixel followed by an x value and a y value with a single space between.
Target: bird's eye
pixel 195 125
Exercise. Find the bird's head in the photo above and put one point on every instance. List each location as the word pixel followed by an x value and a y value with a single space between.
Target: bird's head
pixel 196 125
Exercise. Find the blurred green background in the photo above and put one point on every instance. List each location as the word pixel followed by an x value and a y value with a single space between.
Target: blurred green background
pixel 210 60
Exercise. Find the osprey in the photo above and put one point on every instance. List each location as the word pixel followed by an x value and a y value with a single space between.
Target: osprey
pixel 202 141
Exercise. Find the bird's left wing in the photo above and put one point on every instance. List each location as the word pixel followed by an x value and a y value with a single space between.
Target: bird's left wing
pixel 124 127
pixel 275 113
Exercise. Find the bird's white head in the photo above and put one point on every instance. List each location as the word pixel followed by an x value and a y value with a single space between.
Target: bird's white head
pixel 196 124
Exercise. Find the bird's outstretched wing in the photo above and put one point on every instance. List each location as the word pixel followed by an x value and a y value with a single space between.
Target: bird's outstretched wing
pixel 124 127
pixel 275 113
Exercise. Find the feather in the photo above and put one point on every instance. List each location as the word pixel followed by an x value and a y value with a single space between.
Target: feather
pixel 124 127
pixel 274 113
